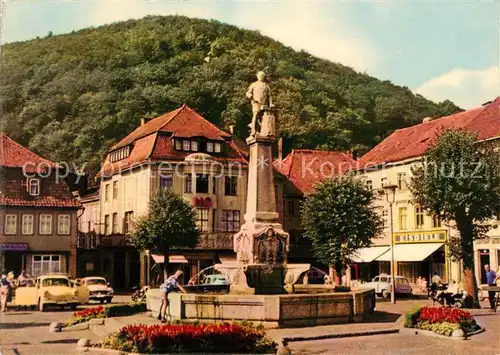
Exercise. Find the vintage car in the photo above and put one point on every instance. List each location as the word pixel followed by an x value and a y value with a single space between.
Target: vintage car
pixel 382 285
pixel 51 290
pixel 99 288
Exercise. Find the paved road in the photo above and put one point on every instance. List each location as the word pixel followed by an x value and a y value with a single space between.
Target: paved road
pixel 27 332
pixel 486 343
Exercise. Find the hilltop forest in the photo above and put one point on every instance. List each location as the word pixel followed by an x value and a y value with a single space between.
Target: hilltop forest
pixel 70 97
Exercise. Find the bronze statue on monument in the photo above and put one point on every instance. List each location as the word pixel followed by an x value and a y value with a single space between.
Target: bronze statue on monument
pixel 263 116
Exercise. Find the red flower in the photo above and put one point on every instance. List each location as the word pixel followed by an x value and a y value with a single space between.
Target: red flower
pixel 444 314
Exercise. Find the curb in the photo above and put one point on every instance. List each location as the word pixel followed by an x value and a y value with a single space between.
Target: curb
pixel 343 335
pixel 430 333
pixel 118 352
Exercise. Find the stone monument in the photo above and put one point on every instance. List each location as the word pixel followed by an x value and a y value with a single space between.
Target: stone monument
pixel 261 245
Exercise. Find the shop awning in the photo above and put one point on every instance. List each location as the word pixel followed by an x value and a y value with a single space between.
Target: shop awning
pixel 172 259
pixel 366 255
pixel 411 252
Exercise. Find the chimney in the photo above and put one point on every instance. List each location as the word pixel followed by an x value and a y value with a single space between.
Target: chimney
pixel 142 121
pixel 231 129
pixel 280 149
pixel 427 119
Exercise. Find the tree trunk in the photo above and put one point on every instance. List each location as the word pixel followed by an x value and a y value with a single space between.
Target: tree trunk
pixel 467 245
pixel 338 271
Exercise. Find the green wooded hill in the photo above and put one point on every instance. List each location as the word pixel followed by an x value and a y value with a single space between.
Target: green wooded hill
pixel 70 97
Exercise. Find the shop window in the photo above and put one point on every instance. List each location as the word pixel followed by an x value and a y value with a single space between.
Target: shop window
pixel 34 186
pixel 402 181
pixel 127 225
pixel 45 224
pixel 10 223
pixel 202 183
pixel 45 264
pixel 188 183
pixel 231 185
pixel 115 190
pixel 419 217
pixel 166 181
pixel 202 219
pixel 230 220
pixel 63 224
pixel 403 219
pixel 28 221
pixel 114 229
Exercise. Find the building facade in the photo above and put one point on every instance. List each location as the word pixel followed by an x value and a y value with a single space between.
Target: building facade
pixel 419 238
pixel 38 218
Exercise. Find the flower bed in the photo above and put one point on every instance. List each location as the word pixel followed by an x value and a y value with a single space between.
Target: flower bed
pixel 441 320
pixel 104 312
pixel 189 338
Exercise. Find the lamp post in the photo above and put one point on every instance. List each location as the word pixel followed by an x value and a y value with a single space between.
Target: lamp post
pixel 390 194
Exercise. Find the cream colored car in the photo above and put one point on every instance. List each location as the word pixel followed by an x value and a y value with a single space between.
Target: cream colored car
pixel 51 290
pixel 99 289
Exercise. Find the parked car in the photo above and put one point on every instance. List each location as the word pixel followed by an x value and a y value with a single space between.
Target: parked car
pixel 217 279
pixel 382 285
pixel 99 289
pixel 51 290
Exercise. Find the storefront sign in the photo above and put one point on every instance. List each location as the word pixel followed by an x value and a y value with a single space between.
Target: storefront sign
pixel 420 237
pixel 202 202
pixel 13 247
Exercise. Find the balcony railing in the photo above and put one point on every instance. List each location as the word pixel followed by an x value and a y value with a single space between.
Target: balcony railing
pixel 92 240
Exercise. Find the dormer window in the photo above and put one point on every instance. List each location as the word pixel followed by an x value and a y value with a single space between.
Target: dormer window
pixel 218 147
pixel 178 144
pixel 210 147
pixel 194 146
pixel 119 154
pixel 186 145
pixel 34 186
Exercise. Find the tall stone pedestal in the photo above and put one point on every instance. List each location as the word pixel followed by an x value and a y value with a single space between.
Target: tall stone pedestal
pixel 261 245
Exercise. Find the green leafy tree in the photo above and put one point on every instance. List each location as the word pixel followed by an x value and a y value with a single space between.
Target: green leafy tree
pixel 170 223
pixel 460 181
pixel 339 218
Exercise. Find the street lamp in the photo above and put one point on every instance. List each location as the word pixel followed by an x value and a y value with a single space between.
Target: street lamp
pixel 390 194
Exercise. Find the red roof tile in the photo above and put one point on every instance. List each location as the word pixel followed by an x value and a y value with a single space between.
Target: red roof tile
pixel 40 201
pixel 305 168
pixel 153 141
pixel 14 155
pixel 413 141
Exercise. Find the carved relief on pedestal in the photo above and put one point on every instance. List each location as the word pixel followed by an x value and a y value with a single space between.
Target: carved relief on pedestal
pixel 242 247
pixel 270 247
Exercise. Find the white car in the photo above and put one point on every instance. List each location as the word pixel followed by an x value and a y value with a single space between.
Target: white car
pixel 382 285
pixel 99 288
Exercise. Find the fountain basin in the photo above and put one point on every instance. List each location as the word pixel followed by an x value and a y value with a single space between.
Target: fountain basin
pixel 271 311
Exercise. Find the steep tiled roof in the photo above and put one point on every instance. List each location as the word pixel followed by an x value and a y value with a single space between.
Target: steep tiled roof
pixel 183 122
pixel 14 155
pixel 306 167
pixel 54 192
pixel 413 141
pixel 153 141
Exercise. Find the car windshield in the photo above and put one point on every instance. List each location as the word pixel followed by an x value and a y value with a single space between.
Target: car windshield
pixel 91 282
pixel 56 282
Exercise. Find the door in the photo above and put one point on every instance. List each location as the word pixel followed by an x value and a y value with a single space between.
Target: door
pixel 82 293
pixel 27 296
pixel 13 262
pixel 484 259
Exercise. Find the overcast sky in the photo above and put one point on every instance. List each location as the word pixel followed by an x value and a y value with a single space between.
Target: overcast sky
pixel 441 49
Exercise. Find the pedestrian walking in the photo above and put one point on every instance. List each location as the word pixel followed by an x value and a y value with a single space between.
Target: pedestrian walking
pixel 491 280
pixel 22 280
pixel 4 292
pixel 170 284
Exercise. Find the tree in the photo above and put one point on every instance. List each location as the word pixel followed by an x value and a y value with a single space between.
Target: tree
pixel 170 223
pixel 459 180
pixel 339 218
